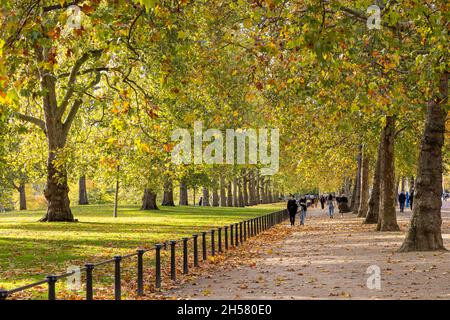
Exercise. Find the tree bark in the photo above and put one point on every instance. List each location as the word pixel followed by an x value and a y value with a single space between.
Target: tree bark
pixel 149 200
pixel 235 196
pixel 364 197
pixel 215 197
pixel 223 197
pixel 168 194
pixel 22 197
pixel 245 190
pixel 240 194
pixel 229 195
pixel 424 233
pixel 387 216
pixel 82 192
pixel 257 189
pixel 357 192
pixel 183 193
pixel 56 192
pixel 205 201
pixel 374 201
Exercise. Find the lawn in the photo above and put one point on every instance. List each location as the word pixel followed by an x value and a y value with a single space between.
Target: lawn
pixel 29 249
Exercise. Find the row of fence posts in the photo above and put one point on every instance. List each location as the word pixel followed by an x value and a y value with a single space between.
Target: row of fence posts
pixel 234 234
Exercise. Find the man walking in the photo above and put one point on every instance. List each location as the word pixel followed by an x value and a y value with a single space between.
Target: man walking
pixel 292 210
pixel 401 201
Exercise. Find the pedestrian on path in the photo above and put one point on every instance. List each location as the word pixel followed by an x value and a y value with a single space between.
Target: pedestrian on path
pixel 292 208
pixel 401 201
pixel 411 199
pixel 303 207
pixel 322 201
pixel 330 204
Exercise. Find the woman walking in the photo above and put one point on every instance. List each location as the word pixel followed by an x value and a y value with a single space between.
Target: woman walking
pixel 330 204
pixel 303 207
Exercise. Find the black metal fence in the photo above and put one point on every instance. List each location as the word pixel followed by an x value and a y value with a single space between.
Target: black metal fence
pixel 227 236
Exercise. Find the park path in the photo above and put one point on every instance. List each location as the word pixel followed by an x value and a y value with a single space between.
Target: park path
pixel 328 259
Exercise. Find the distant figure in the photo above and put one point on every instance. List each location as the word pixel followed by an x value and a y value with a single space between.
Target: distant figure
pixel 401 201
pixel 322 202
pixel 407 200
pixel 200 201
pixel 330 204
pixel 292 208
pixel 411 199
pixel 303 208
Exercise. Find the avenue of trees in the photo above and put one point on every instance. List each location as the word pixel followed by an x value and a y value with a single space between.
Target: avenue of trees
pixel 91 91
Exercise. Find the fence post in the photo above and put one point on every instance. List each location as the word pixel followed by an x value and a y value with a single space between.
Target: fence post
pixel 195 237
pixel 245 230
pixel 185 256
pixel 204 245
pixel 173 270
pixel 231 235
pixel 236 239
pixel 219 239
pixel 226 237
pixel 51 280
pixel 158 265
pixel 3 294
pixel 140 271
pixel 213 248
pixel 241 237
pixel 117 287
pixel 89 288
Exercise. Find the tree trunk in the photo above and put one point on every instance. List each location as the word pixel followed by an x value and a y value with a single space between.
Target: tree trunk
pixel 356 200
pixel 374 202
pixel 22 197
pixel 364 197
pixel 215 197
pixel 245 191
pixel 82 192
pixel 257 189
pixel 116 194
pixel 424 233
pixel 251 187
pixel 205 201
pixel 223 197
pixel 183 193
pixel 149 200
pixel 168 194
pixel 229 195
pixel 56 191
pixel 387 216
pixel 240 194
pixel 235 196
pixel 403 184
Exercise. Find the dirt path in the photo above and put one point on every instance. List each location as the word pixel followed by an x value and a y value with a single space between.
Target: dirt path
pixel 328 259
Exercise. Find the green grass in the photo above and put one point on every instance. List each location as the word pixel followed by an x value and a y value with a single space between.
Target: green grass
pixel 29 249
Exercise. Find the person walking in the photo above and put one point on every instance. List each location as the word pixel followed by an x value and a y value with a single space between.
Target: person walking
pixel 322 201
pixel 330 204
pixel 292 208
pixel 401 201
pixel 411 199
pixel 303 208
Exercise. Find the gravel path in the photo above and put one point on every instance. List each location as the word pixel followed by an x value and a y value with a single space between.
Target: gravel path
pixel 328 259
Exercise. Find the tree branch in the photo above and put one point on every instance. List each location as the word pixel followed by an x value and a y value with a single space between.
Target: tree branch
pixel 72 79
pixel 77 104
pixel 36 121
pixel 59 6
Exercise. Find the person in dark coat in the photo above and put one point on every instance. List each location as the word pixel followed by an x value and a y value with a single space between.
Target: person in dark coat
pixel 292 210
pixel 401 201
pixel 322 202
pixel 411 198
